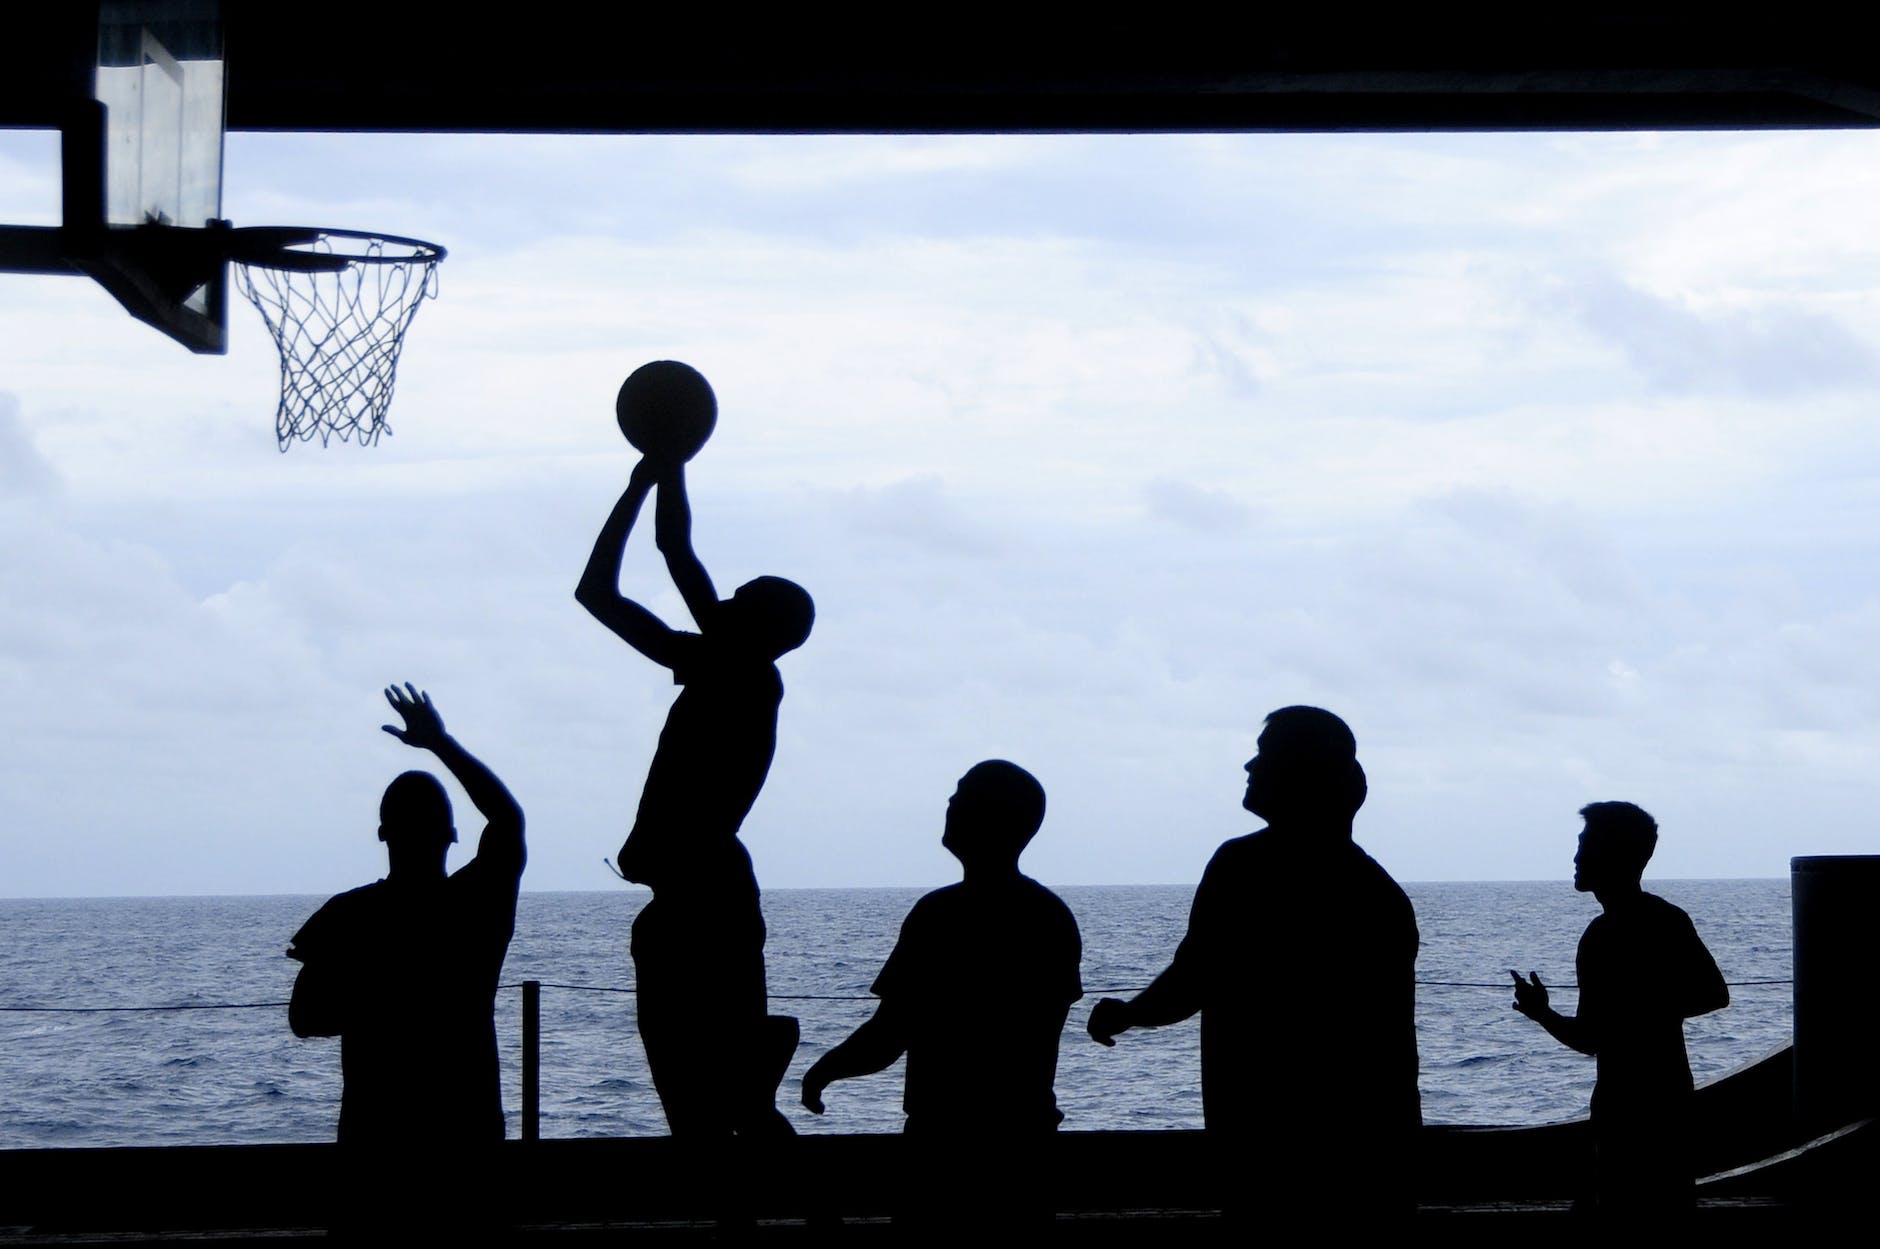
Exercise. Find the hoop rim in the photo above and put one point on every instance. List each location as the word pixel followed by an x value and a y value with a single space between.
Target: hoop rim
pixel 278 247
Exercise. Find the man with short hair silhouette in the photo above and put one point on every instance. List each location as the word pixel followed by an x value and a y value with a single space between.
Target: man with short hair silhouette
pixel 975 994
pixel 1300 956
pixel 404 970
pixel 698 946
pixel 1643 971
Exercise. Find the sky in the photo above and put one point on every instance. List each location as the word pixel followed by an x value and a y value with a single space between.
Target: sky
pixel 1547 461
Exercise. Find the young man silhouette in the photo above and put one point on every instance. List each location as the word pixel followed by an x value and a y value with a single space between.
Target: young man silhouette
pixel 698 945
pixel 404 970
pixel 975 994
pixel 1300 956
pixel 1643 971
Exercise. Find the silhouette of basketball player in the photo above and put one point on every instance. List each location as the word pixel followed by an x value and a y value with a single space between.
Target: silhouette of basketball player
pixel 698 945
pixel 1643 971
pixel 404 970
pixel 975 994
pixel 1300 956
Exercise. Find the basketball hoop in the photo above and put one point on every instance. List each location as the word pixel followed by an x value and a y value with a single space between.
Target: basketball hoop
pixel 338 303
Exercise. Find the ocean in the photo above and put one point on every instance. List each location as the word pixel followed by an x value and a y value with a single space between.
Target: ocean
pixel 235 1074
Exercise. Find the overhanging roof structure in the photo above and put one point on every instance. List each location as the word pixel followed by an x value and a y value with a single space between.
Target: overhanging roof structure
pixel 395 65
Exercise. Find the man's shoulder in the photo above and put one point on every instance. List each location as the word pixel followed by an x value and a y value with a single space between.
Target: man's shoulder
pixel 1663 911
pixel 1362 864
pixel 1023 902
pixel 1646 914
pixel 1042 900
pixel 364 898
pixel 1266 850
pixel 337 918
pixel 1666 922
pixel 940 899
pixel 484 873
pixel 1237 852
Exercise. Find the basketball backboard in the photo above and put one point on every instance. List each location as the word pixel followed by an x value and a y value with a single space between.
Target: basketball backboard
pixel 143 167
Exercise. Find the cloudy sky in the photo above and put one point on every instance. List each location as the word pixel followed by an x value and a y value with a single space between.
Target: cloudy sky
pixel 1547 461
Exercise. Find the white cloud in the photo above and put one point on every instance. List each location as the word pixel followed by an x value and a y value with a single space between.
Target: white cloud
pixel 23 471
pixel 1196 507
pixel 1770 349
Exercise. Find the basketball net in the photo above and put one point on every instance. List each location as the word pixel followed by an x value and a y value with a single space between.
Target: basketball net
pixel 338 306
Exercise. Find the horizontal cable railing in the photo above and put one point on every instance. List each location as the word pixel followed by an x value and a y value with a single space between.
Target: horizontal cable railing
pixel 532 1018
pixel 775 997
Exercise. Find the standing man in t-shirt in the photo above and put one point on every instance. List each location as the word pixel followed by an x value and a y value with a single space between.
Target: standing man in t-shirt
pixel 1300 956
pixel 404 972
pixel 1643 971
pixel 975 994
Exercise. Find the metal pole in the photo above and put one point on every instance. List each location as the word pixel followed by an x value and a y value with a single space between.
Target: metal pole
pixel 532 1060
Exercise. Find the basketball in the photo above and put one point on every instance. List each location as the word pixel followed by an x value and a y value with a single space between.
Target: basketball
pixel 667 410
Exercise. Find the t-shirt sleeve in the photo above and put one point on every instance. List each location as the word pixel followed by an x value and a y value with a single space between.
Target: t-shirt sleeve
pixel 905 969
pixel 900 976
pixel 1187 968
pixel 315 940
pixel 1701 987
pixel 1068 948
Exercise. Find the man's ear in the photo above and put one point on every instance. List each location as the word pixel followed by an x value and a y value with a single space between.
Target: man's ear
pixel 381 832
pixel 453 834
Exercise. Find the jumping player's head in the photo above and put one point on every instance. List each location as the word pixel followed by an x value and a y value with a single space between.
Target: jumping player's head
pixel 993 815
pixel 770 615
pixel 415 820
pixel 1306 769
pixel 1615 846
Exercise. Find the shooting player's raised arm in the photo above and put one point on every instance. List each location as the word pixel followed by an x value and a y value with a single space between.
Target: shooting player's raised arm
pixel 599 587
pixel 672 530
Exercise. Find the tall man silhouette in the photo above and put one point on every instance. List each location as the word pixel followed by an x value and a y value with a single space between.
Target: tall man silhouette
pixel 1300 956
pixel 404 970
pixel 1643 971
pixel 698 945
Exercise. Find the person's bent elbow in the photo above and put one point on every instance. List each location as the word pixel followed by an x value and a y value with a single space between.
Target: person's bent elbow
pixel 589 595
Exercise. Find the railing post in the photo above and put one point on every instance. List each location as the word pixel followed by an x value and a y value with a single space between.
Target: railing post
pixel 1837 930
pixel 532 1060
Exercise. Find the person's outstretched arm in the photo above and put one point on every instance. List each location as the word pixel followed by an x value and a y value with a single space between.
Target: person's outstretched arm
pixel 1174 995
pixel 672 530
pixel 501 846
pixel 1170 998
pixel 870 1048
pixel 599 587
pixel 1530 998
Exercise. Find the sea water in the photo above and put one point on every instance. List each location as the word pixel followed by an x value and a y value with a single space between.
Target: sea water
pixel 236 1074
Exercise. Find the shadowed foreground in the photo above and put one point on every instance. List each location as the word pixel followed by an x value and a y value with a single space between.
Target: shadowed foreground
pixel 1102 1184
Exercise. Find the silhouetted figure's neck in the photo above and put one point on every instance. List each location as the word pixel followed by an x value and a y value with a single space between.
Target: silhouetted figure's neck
pixel 979 875
pixel 1620 895
pixel 415 865
pixel 1328 831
